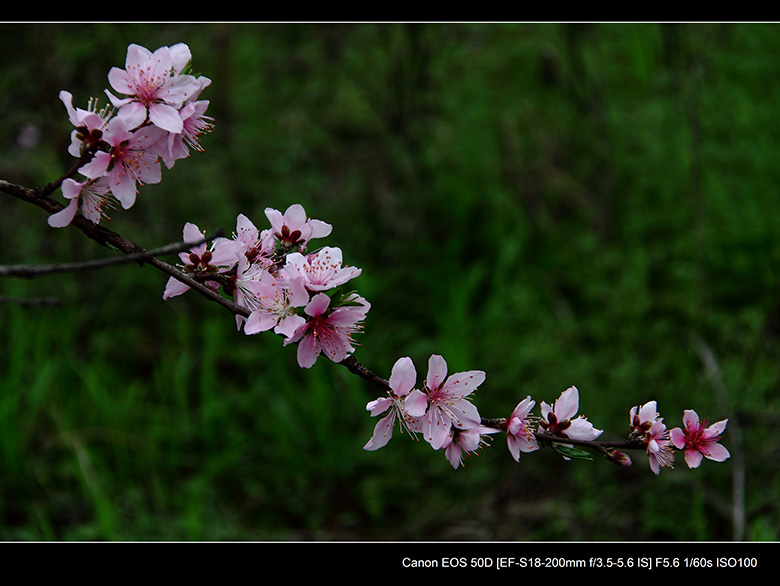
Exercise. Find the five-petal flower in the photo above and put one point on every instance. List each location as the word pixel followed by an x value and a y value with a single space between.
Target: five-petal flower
pixel 698 440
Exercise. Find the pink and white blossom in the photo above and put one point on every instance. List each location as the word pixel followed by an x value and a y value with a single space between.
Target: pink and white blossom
pixel 92 196
pixel 698 440
pixel 89 124
pixel 273 304
pixel 194 125
pixel 219 257
pixel 642 418
pixel 403 378
pixel 445 402
pixel 294 229
pixel 647 426
pixel 321 270
pixel 328 330
pixel 559 419
pixel 660 452
pixel 256 245
pixel 466 442
pixel 520 428
pixel 131 160
pixel 154 87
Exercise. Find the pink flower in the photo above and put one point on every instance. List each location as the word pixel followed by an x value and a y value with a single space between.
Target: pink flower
pixel 255 244
pixel 642 418
pixel 194 124
pixel 466 441
pixel 154 86
pixel 659 447
pixel 321 270
pixel 328 331
pixel 698 440
pixel 294 229
pixel 220 257
pixel 648 427
pixel 402 380
pixel 89 125
pixel 558 420
pixel 91 195
pixel 520 429
pixel 130 160
pixel 272 305
pixel 446 401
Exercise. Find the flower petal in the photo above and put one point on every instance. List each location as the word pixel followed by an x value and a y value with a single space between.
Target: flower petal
pixel 166 117
pixel 383 431
pixel 65 215
pixel 403 376
pixel 567 404
pixel 416 403
pixel 437 372
pixel 716 452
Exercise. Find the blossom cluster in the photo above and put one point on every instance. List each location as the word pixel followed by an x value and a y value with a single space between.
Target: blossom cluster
pixel 297 294
pixel 156 119
pixel 697 439
pixel 442 411
pixel 301 295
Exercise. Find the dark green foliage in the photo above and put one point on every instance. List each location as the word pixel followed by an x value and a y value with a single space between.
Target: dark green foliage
pixel 592 205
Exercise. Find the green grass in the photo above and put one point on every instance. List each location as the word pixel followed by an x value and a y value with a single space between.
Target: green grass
pixel 554 204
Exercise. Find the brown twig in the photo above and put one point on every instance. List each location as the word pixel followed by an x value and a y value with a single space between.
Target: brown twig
pixel 31 301
pixel 33 271
pixel 115 241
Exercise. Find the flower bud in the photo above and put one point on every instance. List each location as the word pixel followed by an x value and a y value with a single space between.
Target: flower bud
pixel 616 457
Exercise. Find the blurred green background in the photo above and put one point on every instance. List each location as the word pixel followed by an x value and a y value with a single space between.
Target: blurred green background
pixel 556 204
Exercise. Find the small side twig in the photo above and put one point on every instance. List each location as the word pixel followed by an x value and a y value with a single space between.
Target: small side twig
pixel 31 301
pixel 33 271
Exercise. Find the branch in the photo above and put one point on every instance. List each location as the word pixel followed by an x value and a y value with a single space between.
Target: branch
pixel 101 235
pixel 134 252
pixel 31 301
pixel 355 367
pixel 115 241
pixel 32 271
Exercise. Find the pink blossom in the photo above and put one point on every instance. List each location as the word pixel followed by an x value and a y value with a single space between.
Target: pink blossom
pixel 129 161
pixel 659 447
pixel 256 245
pixel 194 124
pixel 328 331
pixel 294 229
pixel 89 125
pixel 520 429
pixel 558 420
pixel 321 270
pixel 465 441
pixel 647 426
pixel 273 305
pixel 642 418
pixel 402 381
pixel 446 401
pixel 698 440
pixel 78 116
pixel 154 86
pixel 220 257
pixel 263 289
pixel 91 196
